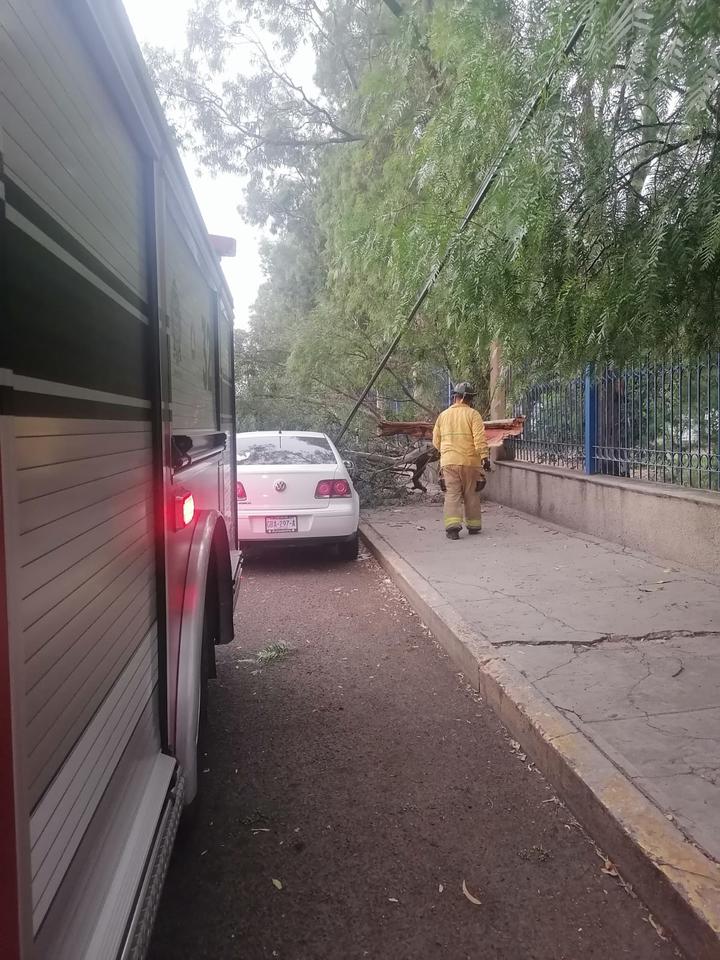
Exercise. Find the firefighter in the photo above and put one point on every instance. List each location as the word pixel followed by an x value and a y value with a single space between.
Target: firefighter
pixel 459 435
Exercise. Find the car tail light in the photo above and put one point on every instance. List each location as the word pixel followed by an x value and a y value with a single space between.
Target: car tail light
pixel 327 489
pixel 323 489
pixel 184 509
pixel 240 491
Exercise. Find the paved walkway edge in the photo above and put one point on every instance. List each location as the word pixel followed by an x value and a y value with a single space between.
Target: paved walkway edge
pixel 678 883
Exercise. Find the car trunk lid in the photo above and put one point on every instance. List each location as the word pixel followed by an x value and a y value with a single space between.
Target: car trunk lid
pixel 283 487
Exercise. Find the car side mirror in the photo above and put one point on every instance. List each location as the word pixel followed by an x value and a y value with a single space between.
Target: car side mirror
pixel 350 467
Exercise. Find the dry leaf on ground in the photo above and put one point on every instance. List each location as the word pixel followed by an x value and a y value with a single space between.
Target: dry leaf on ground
pixel 469 896
pixel 515 747
pixel 656 927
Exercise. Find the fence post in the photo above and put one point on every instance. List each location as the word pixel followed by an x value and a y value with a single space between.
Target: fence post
pixel 590 424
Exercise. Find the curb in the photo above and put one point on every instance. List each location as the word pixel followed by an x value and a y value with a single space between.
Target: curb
pixel 678 883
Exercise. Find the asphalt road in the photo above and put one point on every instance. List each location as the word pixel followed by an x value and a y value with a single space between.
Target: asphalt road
pixel 353 785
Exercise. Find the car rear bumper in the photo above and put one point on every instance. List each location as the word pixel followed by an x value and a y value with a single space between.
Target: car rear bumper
pixel 333 524
pixel 271 542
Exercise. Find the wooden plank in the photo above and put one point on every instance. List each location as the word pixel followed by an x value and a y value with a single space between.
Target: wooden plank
pixel 495 430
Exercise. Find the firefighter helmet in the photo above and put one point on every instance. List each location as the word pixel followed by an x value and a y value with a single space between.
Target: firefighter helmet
pixel 464 390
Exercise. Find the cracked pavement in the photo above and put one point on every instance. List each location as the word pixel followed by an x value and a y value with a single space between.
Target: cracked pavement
pixel 625 645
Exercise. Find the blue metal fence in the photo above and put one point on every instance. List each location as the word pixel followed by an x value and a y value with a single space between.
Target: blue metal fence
pixel 554 423
pixel 651 421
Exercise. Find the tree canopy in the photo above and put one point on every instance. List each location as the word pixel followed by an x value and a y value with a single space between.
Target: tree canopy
pixel 600 240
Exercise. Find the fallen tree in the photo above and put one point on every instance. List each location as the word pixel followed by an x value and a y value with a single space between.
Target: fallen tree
pixel 410 464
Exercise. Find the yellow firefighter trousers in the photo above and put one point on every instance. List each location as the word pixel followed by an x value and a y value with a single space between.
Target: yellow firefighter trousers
pixel 461 496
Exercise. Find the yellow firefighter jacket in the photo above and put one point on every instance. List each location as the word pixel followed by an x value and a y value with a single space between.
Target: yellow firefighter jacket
pixel 459 435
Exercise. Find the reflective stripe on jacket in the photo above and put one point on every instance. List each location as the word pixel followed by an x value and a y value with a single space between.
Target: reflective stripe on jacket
pixel 459 435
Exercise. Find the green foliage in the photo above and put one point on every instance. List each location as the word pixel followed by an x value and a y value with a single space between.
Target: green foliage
pixel 600 240
pixel 273 653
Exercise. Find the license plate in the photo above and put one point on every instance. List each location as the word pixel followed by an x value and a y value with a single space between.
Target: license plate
pixel 281 525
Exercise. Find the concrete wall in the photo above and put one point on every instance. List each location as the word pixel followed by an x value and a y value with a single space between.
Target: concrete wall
pixel 677 524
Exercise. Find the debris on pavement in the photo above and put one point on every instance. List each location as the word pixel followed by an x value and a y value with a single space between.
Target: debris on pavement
pixel 470 896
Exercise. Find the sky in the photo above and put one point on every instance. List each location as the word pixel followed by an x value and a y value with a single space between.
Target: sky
pixel 162 22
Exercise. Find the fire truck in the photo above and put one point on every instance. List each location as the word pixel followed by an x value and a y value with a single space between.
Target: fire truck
pixel 118 560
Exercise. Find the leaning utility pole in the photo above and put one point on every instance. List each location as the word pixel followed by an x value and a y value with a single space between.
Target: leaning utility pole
pixel 483 190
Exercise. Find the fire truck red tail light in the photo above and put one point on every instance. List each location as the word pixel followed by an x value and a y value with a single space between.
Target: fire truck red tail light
pixel 328 489
pixel 240 491
pixel 184 509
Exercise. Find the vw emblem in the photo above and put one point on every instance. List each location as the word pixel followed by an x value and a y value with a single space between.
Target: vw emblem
pixel 280 486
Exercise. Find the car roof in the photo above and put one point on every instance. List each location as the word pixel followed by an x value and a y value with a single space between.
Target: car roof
pixel 275 433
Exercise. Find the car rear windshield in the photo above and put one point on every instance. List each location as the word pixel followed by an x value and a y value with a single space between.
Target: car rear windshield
pixel 283 449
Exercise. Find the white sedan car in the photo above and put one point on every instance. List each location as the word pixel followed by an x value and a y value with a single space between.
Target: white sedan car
pixel 294 489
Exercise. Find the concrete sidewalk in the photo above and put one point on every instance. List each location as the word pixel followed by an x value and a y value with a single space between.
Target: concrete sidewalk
pixel 605 664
